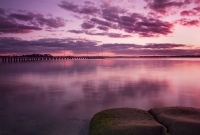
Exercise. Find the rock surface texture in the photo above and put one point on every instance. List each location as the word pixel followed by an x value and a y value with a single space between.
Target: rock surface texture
pixel 178 120
pixel 157 121
pixel 125 121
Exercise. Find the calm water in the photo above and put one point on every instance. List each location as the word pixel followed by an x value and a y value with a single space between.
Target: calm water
pixel 60 97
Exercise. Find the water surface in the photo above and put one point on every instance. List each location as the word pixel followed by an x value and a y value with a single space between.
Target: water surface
pixel 60 97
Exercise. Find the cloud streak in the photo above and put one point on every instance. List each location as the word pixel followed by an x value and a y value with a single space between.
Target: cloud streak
pixel 82 46
pixel 47 45
pixel 105 33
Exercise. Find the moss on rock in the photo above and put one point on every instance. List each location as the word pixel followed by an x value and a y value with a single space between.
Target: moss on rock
pixel 125 121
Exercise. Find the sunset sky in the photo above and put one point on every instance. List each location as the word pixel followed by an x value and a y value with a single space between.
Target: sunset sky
pixel 100 27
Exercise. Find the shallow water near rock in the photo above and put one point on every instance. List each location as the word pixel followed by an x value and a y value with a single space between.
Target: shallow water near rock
pixel 60 97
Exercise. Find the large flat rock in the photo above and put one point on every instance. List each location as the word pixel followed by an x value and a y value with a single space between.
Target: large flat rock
pixel 125 121
pixel 178 120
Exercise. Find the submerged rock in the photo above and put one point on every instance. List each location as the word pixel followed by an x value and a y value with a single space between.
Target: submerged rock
pixel 178 120
pixel 125 121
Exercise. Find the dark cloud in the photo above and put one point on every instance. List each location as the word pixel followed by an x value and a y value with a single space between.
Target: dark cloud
pixel 22 17
pixel 76 31
pixel 101 22
pixel 163 6
pixel 27 22
pixel 69 6
pixel 149 49
pixel 87 25
pixel 112 9
pixel 81 46
pixel 144 26
pixel 186 22
pixel 48 45
pixel 2 11
pixel 52 22
pixel 111 13
pixel 164 46
pixel 89 3
pixel 103 28
pixel 87 9
pixel 7 26
pixel 132 24
pixel 147 46
pixel 137 24
pixel 114 17
pixel 116 35
pixel 129 20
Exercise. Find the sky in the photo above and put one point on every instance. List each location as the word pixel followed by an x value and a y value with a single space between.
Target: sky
pixel 100 27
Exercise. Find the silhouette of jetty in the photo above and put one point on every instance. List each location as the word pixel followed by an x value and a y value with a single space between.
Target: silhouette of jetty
pixel 40 57
pixel 37 55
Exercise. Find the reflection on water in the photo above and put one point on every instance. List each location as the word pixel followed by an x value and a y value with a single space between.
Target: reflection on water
pixel 60 97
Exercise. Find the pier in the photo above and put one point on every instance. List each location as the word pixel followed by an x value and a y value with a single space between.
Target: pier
pixel 10 59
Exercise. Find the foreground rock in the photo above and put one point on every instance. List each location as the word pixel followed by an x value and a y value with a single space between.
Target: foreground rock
pixel 178 120
pixel 125 121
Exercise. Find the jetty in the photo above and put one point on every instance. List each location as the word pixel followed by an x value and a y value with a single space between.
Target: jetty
pixel 9 59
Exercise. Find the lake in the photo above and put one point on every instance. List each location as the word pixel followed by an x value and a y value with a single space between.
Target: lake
pixel 60 97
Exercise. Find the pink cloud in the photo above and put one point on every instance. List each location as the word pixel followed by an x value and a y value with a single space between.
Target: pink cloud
pixel 186 22
pixel 194 12
pixel 197 9
pixel 188 13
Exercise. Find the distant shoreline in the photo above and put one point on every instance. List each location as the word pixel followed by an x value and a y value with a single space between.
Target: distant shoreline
pixel 178 56
pixel 188 56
